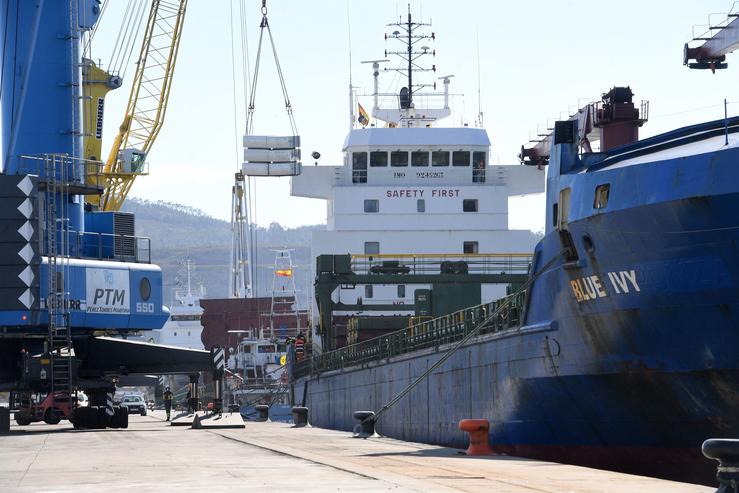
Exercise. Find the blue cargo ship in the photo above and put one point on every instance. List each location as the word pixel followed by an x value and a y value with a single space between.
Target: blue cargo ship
pixel 619 352
pixel 622 354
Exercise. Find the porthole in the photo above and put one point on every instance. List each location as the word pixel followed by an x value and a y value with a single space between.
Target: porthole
pixel 145 288
pixel 587 242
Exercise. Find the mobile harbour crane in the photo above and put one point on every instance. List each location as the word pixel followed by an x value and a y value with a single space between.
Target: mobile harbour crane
pixel 70 273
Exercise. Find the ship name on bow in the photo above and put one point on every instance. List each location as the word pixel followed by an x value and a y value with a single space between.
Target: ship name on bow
pixel 593 287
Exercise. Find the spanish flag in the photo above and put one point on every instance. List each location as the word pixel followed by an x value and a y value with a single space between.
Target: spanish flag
pixel 363 117
pixel 284 272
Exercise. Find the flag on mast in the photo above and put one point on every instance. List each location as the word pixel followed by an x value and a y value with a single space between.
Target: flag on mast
pixel 284 272
pixel 363 116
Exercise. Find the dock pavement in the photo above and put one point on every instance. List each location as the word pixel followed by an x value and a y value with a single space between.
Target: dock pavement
pixel 151 456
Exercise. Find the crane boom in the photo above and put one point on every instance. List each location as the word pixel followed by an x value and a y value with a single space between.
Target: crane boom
pixel 719 41
pixel 147 103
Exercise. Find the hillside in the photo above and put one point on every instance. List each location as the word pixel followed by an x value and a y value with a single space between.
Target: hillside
pixel 179 232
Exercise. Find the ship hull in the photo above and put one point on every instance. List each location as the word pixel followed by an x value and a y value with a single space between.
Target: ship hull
pixel 605 372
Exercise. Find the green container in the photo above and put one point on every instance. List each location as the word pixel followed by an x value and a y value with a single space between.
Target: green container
pixel 422 300
pixel 449 298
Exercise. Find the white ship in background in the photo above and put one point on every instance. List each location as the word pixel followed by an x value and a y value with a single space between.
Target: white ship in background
pixel 183 328
pixel 408 186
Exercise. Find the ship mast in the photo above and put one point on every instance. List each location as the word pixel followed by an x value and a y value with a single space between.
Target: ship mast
pixel 410 37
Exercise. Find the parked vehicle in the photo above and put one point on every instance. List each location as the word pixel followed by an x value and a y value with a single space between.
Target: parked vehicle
pixel 134 404
pixel 51 410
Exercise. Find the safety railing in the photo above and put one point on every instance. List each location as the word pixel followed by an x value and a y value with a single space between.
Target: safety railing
pixel 427 334
pixel 497 263
pixel 79 171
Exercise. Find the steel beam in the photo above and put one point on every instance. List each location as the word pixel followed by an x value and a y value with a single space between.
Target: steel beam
pixel 712 53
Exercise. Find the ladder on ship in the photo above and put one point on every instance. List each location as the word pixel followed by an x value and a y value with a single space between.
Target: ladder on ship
pixel 284 301
pixel 55 210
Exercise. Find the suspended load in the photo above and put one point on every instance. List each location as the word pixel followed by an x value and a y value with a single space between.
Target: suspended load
pixel 270 155
pixel 267 155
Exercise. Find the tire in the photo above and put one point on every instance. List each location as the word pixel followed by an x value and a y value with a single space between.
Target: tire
pixel 85 417
pixel 143 413
pixel 102 418
pixel 124 417
pixel 115 420
pixel 52 416
pixel 22 419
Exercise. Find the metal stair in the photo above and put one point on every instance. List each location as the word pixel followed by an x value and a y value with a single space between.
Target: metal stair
pixel 59 342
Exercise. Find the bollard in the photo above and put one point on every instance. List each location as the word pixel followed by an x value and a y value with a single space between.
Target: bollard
pixel 300 416
pixel 726 452
pixel 4 420
pixel 366 426
pixel 479 434
pixel 263 410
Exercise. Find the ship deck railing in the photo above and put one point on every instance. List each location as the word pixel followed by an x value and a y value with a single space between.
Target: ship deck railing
pixel 432 263
pixel 421 335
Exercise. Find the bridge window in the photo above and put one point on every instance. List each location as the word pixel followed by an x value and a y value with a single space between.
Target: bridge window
pixel 371 247
pixel 469 205
pixel 359 167
pixel 371 205
pixel 419 158
pixel 470 247
pixel 378 159
pixel 461 158
pixel 440 158
pixel 399 158
pixel 478 167
pixel 601 196
pixel 420 205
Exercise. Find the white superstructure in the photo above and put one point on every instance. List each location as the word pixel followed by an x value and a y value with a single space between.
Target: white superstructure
pixel 414 188
pixel 417 190
pixel 183 328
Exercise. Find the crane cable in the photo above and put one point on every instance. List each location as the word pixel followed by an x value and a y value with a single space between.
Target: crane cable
pixel 288 106
pixel 126 38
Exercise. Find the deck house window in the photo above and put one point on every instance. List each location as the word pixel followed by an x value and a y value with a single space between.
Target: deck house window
pixel 470 248
pixel 419 158
pixel 440 158
pixel 368 291
pixel 469 205
pixel 359 167
pixel 461 158
pixel 478 167
pixel 371 247
pixel 401 290
pixel 421 205
pixel 399 158
pixel 371 205
pixel 378 159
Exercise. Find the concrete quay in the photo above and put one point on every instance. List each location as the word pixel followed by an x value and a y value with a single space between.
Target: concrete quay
pixel 151 456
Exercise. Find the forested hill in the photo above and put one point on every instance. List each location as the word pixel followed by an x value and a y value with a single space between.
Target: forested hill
pixel 179 232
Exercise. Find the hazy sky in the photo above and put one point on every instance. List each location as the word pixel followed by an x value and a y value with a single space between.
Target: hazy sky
pixel 539 59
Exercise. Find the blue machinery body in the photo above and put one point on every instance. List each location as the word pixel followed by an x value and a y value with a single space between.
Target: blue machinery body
pixel 42 115
pixel 626 356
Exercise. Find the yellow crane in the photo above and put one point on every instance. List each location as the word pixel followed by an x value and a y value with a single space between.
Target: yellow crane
pixel 147 104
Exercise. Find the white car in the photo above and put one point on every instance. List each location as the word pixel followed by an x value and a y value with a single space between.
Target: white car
pixel 134 404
